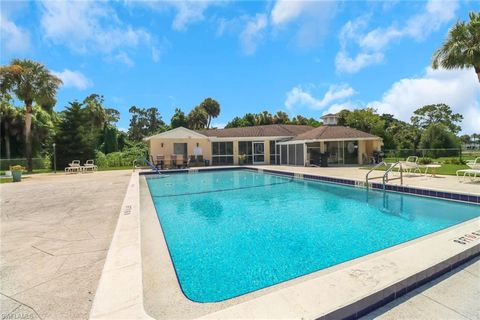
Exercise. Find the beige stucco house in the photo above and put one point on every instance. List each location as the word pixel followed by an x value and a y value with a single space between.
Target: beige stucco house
pixel 269 144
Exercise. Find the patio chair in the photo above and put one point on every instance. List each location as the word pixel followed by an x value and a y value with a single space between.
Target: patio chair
pixel 468 172
pixel 200 160
pixel 160 161
pixel 74 166
pixel 474 164
pixel 89 165
pixel 410 165
pixel 179 161
pixel 173 161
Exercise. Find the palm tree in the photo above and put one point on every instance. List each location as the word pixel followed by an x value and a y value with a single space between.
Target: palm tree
pixel 197 118
pixel 212 108
pixel 31 82
pixel 10 117
pixel 461 49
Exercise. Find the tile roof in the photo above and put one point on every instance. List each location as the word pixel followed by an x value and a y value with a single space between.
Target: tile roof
pixel 333 132
pixel 272 130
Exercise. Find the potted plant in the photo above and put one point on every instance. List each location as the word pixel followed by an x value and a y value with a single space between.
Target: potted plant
pixel 17 173
pixel 242 158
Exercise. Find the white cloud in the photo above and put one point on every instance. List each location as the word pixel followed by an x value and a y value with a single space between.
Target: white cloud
pixel 312 17
pixel 346 64
pixel 253 33
pixel 371 44
pixel 287 10
pixel 13 38
pixel 457 88
pixel 124 58
pixel 87 26
pixel 188 12
pixel 74 79
pixel 298 97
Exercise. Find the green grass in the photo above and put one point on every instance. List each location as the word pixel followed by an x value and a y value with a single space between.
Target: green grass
pixel 6 180
pixel 446 169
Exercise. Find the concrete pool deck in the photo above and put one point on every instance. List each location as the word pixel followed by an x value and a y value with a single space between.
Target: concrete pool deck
pixel 355 287
pixel 440 182
pixel 36 284
pixel 55 234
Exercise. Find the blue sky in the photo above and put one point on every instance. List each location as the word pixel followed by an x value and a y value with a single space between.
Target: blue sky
pixel 302 57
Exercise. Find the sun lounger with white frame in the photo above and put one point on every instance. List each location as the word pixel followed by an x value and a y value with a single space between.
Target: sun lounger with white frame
pixel 74 166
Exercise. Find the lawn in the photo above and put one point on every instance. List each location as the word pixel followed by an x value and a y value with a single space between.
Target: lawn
pixel 447 169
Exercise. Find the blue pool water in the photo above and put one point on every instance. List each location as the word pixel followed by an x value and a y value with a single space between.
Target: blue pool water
pixel 233 232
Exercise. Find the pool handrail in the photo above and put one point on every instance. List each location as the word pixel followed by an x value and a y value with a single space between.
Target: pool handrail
pixel 372 169
pixel 385 176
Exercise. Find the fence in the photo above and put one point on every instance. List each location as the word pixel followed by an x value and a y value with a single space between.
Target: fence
pixel 38 163
pixel 459 154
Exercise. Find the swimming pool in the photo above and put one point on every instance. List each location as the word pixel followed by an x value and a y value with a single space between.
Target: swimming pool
pixel 233 232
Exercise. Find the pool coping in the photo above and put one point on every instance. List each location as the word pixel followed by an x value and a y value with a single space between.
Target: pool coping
pixel 344 293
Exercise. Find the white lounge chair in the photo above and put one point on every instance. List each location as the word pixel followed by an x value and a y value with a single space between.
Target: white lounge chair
pixel 469 172
pixel 74 167
pixel 89 165
pixel 474 164
pixel 410 165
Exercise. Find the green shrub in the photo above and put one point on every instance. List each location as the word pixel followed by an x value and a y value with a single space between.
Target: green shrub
pixel 425 160
pixel 456 161
pixel 101 159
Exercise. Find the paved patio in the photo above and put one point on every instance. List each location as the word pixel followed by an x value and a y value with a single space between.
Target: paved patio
pixel 56 231
pixel 55 234
pixel 440 182
pixel 453 296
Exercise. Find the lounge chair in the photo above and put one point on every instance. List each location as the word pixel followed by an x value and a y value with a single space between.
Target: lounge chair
pixel 74 166
pixel 474 164
pixel 469 172
pixel 410 165
pixel 89 165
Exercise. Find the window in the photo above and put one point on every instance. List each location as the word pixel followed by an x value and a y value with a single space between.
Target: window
pixel 274 153
pixel 245 148
pixel 222 153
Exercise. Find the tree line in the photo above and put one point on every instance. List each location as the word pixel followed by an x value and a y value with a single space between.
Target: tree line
pixel 88 129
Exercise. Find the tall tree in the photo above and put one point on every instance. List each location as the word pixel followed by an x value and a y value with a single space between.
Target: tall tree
pixel 72 139
pixel 281 118
pixel 212 108
pixel 197 118
pixel 31 82
pixel 178 119
pixel 461 49
pixel 10 122
pixel 436 113
pixel 438 136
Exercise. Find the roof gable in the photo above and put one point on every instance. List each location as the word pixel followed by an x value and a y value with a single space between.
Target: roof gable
pixel 177 133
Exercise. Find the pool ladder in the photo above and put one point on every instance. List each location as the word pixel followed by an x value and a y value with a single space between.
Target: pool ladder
pixel 385 178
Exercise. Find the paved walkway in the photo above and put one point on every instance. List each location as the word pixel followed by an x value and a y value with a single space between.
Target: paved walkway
pixel 455 295
pixel 55 233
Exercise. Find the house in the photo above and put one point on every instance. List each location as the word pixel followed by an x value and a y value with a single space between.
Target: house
pixel 269 144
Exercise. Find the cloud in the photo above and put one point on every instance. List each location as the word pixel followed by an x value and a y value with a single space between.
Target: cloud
pixel 344 63
pixel 253 33
pixel 285 11
pixel 73 79
pixel 13 38
pixel 312 17
pixel 370 45
pixel 87 26
pixel 298 97
pixel 457 88
pixel 188 12
pixel 122 57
